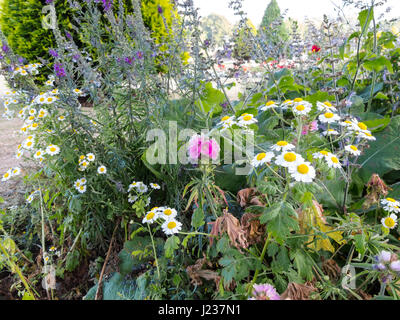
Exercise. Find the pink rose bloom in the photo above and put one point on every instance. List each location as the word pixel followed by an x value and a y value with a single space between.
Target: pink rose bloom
pixel 201 145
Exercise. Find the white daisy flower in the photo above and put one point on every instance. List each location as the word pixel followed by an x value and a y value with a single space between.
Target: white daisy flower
pixel 301 109
pixel 171 226
pixel 150 217
pixel 52 150
pixel 141 187
pixel 325 106
pixel 246 119
pixel 353 150
pixel 77 183
pixel 77 92
pixel 132 185
pixel 91 157
pixel 286 104
pixel 366 135
pixel 289 159
pixel 303 172
pixel 328 117
pixel 7 175
pixel 227 122
pixel 82 188
pixel 33 126
pixel 132 199
pixel 29 199
pixel 330 132
pixel 101 170
pixel 168 213
pixel 19 154
pixel 333 161
pixel 262 158
pixel 83 180
pixel 61 118
pixel 43 113
pixel 321 154
pixel 391 205
pixel 282 146
pixel 32 112
pixel 38 154
pixel 16 171
pixel 28 144
pixel 389 222
pixel 154 186
pixel 269 105
pixel 84 164
pixel 50 100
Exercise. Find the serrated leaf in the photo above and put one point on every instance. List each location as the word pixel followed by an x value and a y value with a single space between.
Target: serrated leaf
pixel 171 245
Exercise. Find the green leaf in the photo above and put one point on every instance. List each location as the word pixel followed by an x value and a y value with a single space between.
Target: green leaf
pixel 171 245
pixel 383 155
pixel 303 264
pixel 365 18
pixel 377 125
pixel 271 212
pixel 359 242
pixel 211 99
pixel 378 64
pixel 198 218
pixel 282 222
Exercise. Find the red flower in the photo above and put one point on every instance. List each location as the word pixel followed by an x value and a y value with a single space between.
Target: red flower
pixel 315 48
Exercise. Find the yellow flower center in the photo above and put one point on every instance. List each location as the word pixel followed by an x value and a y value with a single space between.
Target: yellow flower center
pixel 168 212
pixel 282 143
pixel 290 157
pixel 303 169
pixel 362 126
pixel 335 160
pixel 171 225
pixel 41 99
pixel 324 153
pixel 225 118
pixel 53 149
pixel 101 169
pixel 389 222
pixel 247 118
pixel 287 101
pixel 300 107
pixel 270 103
pixel 354 148
pixel 329 115
pixel 6 175
pixel 261 156
pixel 29 143
pixel 150 215
pixel 298 100
pixel 328 104
pixel 390 199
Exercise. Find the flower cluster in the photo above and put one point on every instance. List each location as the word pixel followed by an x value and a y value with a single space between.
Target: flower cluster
pixel 11 173
pixel 80 185
pixel 85 160
pixel 139 189
pixel 392 206
pixel 199 146
pixel 27 69
pixel 170 225
pixel 264 292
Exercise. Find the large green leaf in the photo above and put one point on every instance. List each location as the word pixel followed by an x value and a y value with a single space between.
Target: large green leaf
pixel 365 18
pixel 383 155
pixel 378 64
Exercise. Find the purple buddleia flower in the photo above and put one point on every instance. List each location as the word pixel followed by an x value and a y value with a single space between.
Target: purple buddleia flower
pixel 75 57
pixel 5 48
pixel 1 57
pixel 21 60
pixel 53 53
pixel 129 60
pixel 139 54
pixel 68 35
pixel 59 70
pixel 160 9
pixel 107 4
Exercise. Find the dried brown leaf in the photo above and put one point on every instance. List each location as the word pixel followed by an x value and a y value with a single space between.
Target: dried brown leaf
pixel 296 291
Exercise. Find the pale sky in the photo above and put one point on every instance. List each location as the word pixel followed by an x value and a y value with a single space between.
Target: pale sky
pixel 297 9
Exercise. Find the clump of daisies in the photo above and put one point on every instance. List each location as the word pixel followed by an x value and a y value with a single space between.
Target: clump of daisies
pixel 80 185
pixel 392 206
pixel 85 160
pixel 166 217
pixel 138 190
pixel 12 172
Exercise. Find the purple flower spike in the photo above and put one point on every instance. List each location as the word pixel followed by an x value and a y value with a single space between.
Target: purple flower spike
pixel 5 48
pixel 53 53
pixel 59 70
pixel 160 9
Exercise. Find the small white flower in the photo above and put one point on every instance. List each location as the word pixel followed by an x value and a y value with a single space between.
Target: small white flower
pixel 132 199
pixel 366 135
pixel 61 118
pixel 246 119
pixel 28 144
pixel 286 104
pixel 16 171
pixel 141 187
pixel 101 170
pixel 391 205
pixel 325 106
pixel 82 188
pixel 91 157
pixel 301 109
pixel 150 217
pixel 321 154
pixel 154 186
pixel 52 150
pixel 389 222
pixel 303 172
pixel 282 146
pixel 7 175
pixel 262 158
pixel 289 159
pixel 328 117
pixel 353 150
pixel 171 226
pixel 330 132
pixel 269 105
pixel 333 161
pixel 168 213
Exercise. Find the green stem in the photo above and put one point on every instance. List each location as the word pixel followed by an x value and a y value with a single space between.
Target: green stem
pixel 155 252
